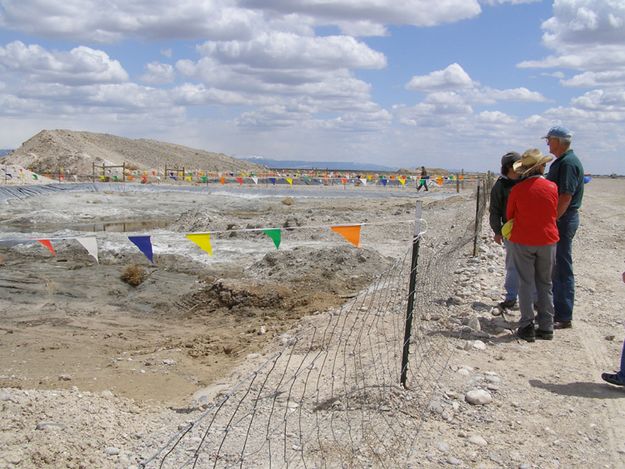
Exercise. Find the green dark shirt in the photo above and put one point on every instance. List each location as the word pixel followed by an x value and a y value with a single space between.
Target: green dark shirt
pixel 568 173
pixel 499 201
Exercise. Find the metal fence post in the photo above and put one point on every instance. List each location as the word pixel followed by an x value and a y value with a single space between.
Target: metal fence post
pixel 477 216
pixel 411 294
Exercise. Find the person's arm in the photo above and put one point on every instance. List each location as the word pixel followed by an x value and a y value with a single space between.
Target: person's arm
pixel 511 207
pixel 496 212
pixel 564 200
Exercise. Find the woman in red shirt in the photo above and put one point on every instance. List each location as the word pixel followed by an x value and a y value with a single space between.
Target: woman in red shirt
pixel 533 204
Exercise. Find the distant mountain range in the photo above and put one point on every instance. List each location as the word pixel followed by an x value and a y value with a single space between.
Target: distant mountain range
pixel 4 152
pixel 332 165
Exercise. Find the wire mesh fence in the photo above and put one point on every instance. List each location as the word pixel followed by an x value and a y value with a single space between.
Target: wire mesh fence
pixel 329 394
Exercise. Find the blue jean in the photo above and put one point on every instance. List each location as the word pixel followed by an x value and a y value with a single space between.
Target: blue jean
pixel 563 278
pixel 511 284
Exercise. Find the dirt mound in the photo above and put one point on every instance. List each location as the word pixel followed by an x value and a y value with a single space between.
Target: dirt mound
pixel 335 268
pixel 51 151
pixel 277 290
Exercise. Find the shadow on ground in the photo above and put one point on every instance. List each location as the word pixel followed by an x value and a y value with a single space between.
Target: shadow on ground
pixel 581 389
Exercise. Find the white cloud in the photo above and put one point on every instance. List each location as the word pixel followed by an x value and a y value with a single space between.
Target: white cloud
pixel 495 117
pixel 287 50
pixel 115 20
pixel 158 73
pixel 586 35
pixel 406 12
pixel 190 94
pixel 463 89
pixel 589 22
pixel 597 58
pixel 453 77
pixel 602 101
pixel 81 65
pixel 503 2
pixel 610 78
pixel 111 21
pixel 491 95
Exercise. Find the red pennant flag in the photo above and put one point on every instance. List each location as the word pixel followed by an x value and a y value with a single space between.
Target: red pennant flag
pixel 48 244
pixel 240 181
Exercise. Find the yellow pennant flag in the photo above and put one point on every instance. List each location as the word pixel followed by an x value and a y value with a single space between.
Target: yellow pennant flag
pixel 402 181
pixel 203 241
pixel 290 181
pixel 350 233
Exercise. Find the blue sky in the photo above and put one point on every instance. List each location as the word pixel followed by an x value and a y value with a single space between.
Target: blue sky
pixel 451 84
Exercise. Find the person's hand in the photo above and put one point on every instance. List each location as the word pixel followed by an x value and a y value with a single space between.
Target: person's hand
pixel 499 238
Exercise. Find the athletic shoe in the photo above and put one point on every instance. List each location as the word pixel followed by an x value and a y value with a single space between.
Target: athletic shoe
pixel 527 333
pixel 563 324
pixel 507 304
pixel 613 378
pixel 544 335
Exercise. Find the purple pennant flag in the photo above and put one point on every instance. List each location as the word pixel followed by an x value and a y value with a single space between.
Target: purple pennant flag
pixel 383 181
pixel 273 181
pixel 144 244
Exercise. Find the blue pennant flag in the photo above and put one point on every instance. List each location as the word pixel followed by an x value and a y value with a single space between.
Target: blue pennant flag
pixel 144 244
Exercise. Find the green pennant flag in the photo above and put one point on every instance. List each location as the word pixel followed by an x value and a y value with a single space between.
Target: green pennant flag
pixel 275 234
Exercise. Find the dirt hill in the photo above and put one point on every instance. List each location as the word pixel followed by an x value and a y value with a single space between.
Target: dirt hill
pixel 75 152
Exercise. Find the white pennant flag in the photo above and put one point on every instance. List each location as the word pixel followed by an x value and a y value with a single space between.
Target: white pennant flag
pixel 363 181
pixel 255 179
pixel 91 245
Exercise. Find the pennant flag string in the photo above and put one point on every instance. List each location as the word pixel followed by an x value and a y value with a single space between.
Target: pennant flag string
pixel 350 232
pixel 305 227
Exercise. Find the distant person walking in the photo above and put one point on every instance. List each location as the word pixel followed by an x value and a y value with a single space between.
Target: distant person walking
pixel 423 181
pixel 498 203
pixel 533 204
pixel 567 172
pixel 617 379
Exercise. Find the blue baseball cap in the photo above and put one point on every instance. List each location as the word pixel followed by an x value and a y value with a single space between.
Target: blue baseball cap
pixel 559 132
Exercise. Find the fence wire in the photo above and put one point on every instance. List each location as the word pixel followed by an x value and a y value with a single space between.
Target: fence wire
pixel 330 395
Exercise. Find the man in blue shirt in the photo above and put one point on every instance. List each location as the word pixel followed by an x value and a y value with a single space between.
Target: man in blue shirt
pixel 567 172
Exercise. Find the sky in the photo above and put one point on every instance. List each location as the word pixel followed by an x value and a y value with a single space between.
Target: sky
pixel 404 83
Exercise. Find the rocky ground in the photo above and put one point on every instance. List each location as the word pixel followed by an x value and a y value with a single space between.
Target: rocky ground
pixel 93 371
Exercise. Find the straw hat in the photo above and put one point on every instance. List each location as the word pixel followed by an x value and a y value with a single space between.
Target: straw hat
pixel 531 159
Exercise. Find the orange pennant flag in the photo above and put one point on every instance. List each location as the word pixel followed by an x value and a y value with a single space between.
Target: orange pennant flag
pixel 350 233
pixel 222 180
pixel 48 244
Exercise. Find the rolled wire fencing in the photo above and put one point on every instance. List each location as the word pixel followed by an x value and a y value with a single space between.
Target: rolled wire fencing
pixel 330 393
